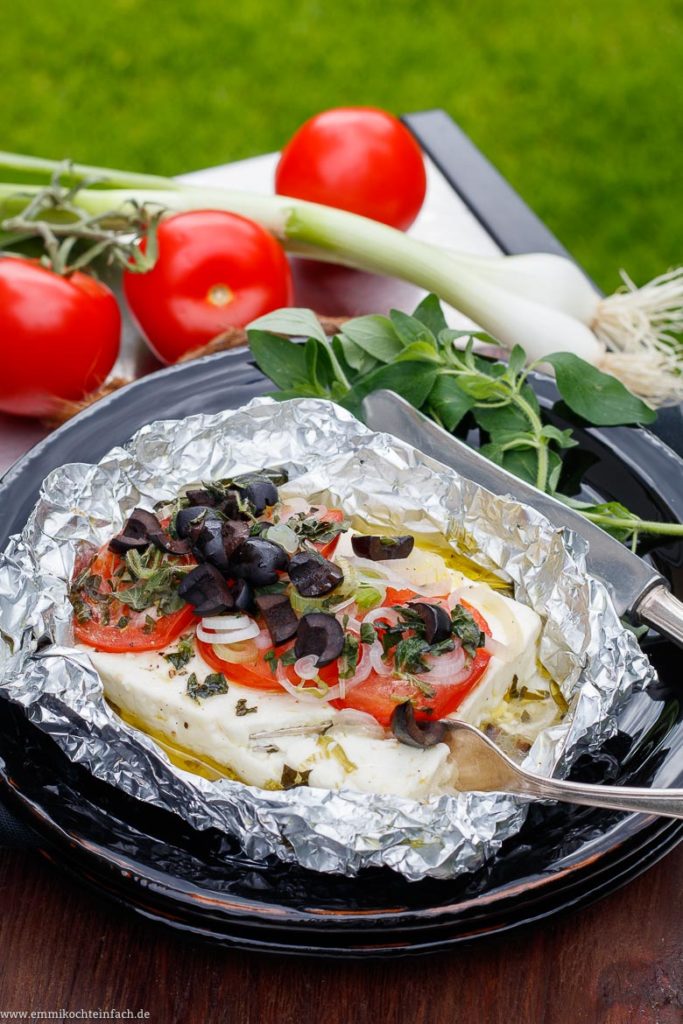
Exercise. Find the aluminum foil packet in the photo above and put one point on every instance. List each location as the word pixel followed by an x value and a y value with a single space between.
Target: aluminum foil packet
pixel 326 452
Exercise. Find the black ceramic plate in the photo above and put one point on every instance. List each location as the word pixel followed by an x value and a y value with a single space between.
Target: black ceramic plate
pixel 200 882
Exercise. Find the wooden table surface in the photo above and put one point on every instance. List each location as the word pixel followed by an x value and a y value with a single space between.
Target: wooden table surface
pixel 618 962
pixel 66 948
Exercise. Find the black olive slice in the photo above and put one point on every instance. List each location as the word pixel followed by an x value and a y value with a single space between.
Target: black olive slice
pixel 320 634
pixel 258 561
pixel 412 733
pixel 137 532
pixel 380 549
pixel 279 616
pixel 206 590
pixel 438 625
pixel 313 575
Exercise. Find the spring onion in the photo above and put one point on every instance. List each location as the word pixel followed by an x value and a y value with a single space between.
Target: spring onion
pixel 539 301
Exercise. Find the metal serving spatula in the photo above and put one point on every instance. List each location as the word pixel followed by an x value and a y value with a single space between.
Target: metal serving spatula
pixel 637 589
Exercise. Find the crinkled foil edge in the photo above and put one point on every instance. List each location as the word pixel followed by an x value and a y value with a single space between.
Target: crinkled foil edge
pixel 596 661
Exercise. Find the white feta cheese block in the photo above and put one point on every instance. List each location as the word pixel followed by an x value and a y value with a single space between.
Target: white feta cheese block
pixel 152 696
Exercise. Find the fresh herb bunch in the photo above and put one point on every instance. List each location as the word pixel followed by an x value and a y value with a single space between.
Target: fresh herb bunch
pixel 436 369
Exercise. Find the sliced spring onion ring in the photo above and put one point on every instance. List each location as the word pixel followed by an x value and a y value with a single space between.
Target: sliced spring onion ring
pixel 237 654
pixel 307 667
pixel 233 636
pixel 226 622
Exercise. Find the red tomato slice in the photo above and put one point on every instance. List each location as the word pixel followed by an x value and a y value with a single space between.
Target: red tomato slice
pixel 258 675
pixel 379 695
pixel 137 634
pixel 333 515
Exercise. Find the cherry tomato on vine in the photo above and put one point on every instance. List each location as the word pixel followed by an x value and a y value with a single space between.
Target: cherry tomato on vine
pixel 59 336
pixel 359 159
pixel 215 270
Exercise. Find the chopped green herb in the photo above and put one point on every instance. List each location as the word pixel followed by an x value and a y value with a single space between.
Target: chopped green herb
pixel 467 630
pixel 214 684
pixel 408 656
pixel 315 531
pixel 285 659
pixel 367 633
pixel 241 708
pixel 150 624
pixel 348 661
pixel 123 622
pixel 182 654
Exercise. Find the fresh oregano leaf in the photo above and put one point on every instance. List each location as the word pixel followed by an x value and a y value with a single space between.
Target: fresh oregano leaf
pixel 596 396
pixel 430 313
pixel 295 323
pixel 409 329
pixel 282 360
pixel 448 403
pixel 412 381
pixel 355 358
pixel 375 335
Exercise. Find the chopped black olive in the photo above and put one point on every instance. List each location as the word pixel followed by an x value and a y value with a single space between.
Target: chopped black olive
pixel 279 616
pixel 142 528
pixel 217 540
pixel 412 733
pixel 259 491
pixel 243 596
pixel 437 621
pixel 189 521
pixel 226 501
pixel 313 575
pixel 259 561
pixel 136 532
pixel 206 590
pixel 379 549
pixel 320 634
pixel 171 545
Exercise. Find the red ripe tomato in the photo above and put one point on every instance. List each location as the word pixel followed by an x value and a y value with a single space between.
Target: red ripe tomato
pixel 359 159
pixel 258 674
pixel 215 270
pixel 59 336
pixel 136 634
pixel 379 695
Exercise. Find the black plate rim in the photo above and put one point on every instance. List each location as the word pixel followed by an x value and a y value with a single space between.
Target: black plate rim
pixel 633 825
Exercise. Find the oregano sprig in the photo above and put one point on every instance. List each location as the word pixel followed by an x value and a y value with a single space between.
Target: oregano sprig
pixel 436 369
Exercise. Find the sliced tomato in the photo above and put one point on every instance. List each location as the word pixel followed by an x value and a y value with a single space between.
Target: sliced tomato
pixel 379 695
pixel 332 515
pixel 394 596
pixel 255 674
pixel 258 674
pixel 137 634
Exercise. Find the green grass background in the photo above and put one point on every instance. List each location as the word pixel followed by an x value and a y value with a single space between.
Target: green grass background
pixel 578 102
